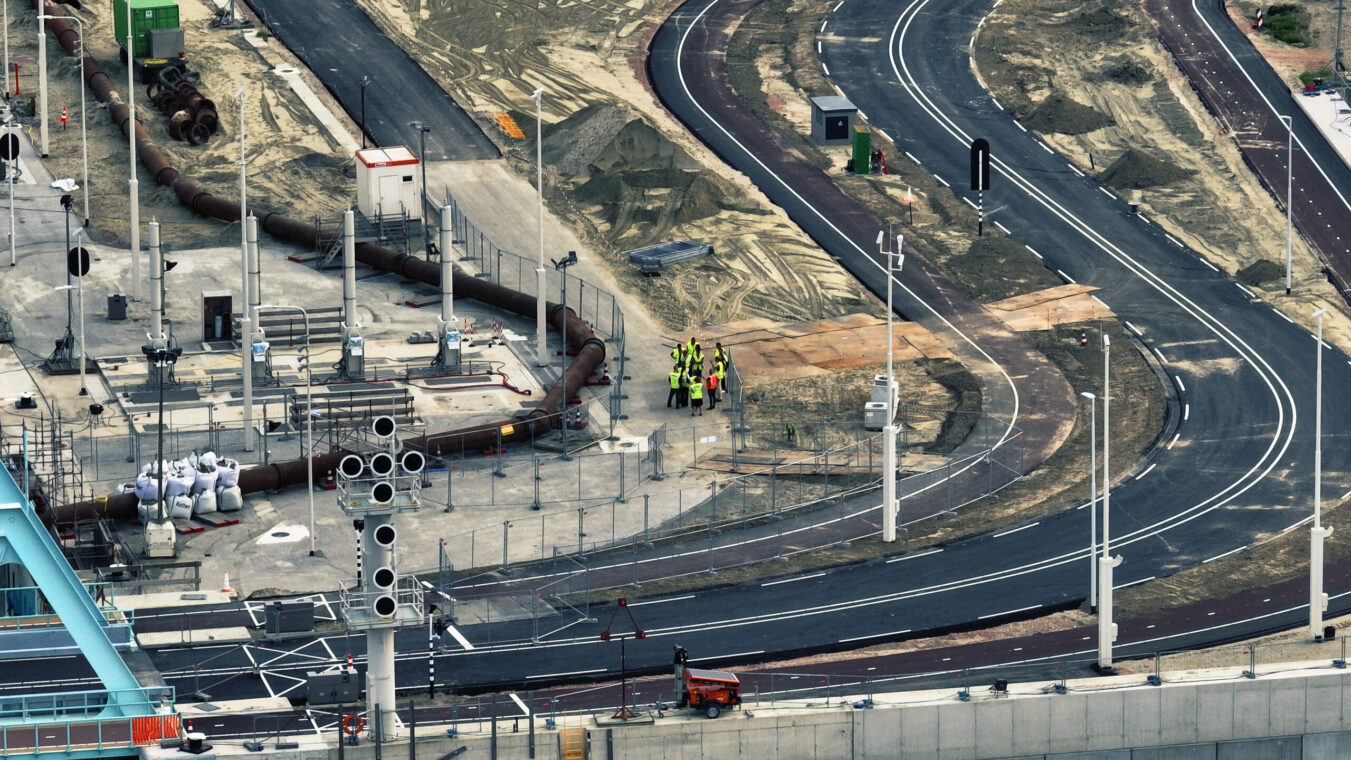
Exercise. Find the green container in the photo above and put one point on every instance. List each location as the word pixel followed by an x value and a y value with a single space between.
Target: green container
pixel 863 149
pixel 145 15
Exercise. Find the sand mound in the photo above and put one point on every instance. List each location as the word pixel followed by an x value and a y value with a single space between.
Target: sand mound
pixel 1099 23
pixel 571 145
pixel 639 147
pixel 1136 169
pixel 1061 114
pixel 1261 272
pixel 1125 70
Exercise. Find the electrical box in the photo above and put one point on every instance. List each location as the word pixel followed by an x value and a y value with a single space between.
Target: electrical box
pixel 832 119
pixel 354 356
pixel 874 415
pixel 333 687
pixel 160 539
pixel 289 617
pixel 261 360
pixel 217 310
pixel 389 182
pixel 879 390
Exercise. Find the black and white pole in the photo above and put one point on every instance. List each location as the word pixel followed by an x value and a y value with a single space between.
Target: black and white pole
pixel 431 658
pixel 359 527
pixel 980 178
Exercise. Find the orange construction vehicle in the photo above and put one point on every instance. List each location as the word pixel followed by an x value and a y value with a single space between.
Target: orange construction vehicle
pixel 709 690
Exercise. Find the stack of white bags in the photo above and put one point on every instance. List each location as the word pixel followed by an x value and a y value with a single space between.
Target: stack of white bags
pixel 195 485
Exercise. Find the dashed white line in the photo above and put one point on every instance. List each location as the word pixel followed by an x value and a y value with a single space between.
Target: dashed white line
pixel 862 115
pixel 1100 301
pixel 1173 442
pixel 455 632
pixel 969 202
pixel 1159 354
pixel 912 556
pixel 997 104
pixel 1075 169
pixel 874 636
pixel 1135 583
pixel 569 673
pixel 940 179
pixel 1180 385
pixel 1002 228
pixel 972 43
pixel 1146 472
pixel 725 656
pixel 1009 612
pixel 1175 240
pixel 837 6
pixel 662 601
pixel 1015 530
pixel 1107 192
pixel 1281 314
pixel 1186 411
pixel 825 68
pixel 1019 125
pixel 1132 327
pixel 524 710
pixel 1213 268
pixel 1346 495
pixel 823 25
pixel 884 135
pixel 1046 148
pixel 1064 276
pixel 1033 251
pixel 911 156
pixel 818 47
pixel 792 580
pixel 1226 554
pixel 1243 288
pixel 1144 219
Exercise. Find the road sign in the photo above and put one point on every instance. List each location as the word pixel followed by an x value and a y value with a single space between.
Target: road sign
pixel 77 261
pixel 980 164
pixel 9 146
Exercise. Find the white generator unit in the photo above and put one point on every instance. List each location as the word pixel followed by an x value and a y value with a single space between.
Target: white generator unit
pixel 879 389
pixel 389 182
pixel 875 415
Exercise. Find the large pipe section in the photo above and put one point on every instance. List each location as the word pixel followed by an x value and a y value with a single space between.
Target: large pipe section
pixel 255 269
pixel 156 284
pixel 349 270
pixel 447 267
pixel 590 350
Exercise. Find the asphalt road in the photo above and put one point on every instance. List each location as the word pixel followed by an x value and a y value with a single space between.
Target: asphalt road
pixel 340 44
pixel 1239 468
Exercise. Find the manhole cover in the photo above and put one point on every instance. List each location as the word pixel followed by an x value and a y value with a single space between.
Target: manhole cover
pixel 279 534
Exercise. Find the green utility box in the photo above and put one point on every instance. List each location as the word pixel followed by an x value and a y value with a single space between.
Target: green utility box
pixel 146 16
pixel 863 149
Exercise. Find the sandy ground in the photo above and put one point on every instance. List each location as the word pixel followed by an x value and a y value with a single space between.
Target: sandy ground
pixel 1106 56
pixel 293 164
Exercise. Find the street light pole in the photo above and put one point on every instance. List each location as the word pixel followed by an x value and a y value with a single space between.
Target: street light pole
pixel 562 266
pixel 1106 628
pixel 1289 122
pixel 423 129
pixel 245 312
pixel 1318 601
pixel 1092 501
pixel 540 347
pixel 364 81
pixel 890 507
pixel 135 216
pixel 309 410
pixel 42 84
pixel 84 133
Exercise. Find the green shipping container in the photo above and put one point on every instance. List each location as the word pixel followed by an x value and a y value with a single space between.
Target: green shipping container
pixel 145 15
pixel 862 149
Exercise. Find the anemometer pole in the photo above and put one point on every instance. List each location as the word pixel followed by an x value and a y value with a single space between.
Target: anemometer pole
pixel 980 178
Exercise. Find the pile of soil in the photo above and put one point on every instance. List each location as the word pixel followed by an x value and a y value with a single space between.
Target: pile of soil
pixel 1059 113
pixel 578 140
pixel 1099 23
pixel 1125 70
pixel 1260 272
pixel 1136 169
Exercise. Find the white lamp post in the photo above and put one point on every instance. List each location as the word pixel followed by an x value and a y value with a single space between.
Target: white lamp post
pixel 309 410
pixel 890 508
pixel 42 85
pixel 1289 122
pixel 1106 563
pixel 84 133
pixel 540 348
pixel 135 216
pixel 1092 501
pixel 245 312
pixel 1318 601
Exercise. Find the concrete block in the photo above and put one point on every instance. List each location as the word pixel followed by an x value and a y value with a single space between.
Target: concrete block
pixel 832 738
pixel 956 730
pixel 1215 712
pixel 1178 704
pixel 1068 718
pixel 1289 702
pixel 1204 751
pixel 1105 720
pixel 1282 748
pixel 994 727
pixel 877 733
pixel 1143 709
pixel 1252 712
pixel 1031 727
pixel 919 731
pixel 1334 745
pixel 1325 705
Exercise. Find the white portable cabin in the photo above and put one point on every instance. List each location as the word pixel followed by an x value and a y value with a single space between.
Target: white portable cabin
pixel 389 180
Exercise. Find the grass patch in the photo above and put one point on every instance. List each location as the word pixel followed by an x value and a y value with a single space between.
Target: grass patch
pixel 1288 23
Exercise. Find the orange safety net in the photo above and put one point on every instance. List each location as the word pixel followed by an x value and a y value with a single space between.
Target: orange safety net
pixel 508 125
pixel 152 728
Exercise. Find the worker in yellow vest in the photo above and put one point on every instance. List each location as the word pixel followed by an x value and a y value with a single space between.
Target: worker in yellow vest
pixel 674 377
pixel 720 372
pixel 678 354
pixel 696 397
pixel 683 400
pixel 719 354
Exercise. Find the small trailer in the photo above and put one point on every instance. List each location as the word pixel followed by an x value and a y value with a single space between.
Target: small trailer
pixel 709 690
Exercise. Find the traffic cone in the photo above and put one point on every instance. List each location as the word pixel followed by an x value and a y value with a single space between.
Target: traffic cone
pixel 225 585
pixel 350 664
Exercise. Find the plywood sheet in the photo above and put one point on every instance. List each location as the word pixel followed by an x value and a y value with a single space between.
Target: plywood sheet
pixel 1045 309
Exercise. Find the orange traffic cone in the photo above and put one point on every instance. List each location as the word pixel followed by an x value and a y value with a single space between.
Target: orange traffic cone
pixel 225 585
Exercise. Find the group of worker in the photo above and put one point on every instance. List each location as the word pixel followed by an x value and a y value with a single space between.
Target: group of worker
pixel 689 383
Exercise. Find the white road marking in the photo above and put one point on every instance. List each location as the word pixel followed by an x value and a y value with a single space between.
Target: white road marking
pixel 940 179
pixel 1186 411
pixel 1243 288
pixel 569 673
pixel 1075 169
pixel 1100 301
pixel 911 156
pixel 1226 554
pixel 1009 612
pixel 997 104
pixel 874 636
pixel 1015 530
pixel 792 580
pixel 662 601
pixel 1281 314
pixel 837 6
pixel 818 47
pixel 913 556
pixel 884 135
pixel 969 202
pixel 1213 268
pixel 1144 219
pixel 1159 354
pixel 823 25
pixel 1175 240
pixel 1019 125
pixel 1132 327
pixel 1046 148
pixel 1066 277
pixel 1173 442
pixel 825 68
pixel 1033 250
pixel 1002 228
pixel 455 632
pixel 1135 583
pixel 972 42
pixel 524 710
pixel 1180 385
pixel 1107 192
pixel 725 656
pixel 1146 472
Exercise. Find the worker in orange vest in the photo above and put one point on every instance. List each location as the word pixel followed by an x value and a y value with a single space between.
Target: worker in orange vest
pixel 711 385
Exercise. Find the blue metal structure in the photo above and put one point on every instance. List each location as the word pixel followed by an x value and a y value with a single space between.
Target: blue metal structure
pixel 73 724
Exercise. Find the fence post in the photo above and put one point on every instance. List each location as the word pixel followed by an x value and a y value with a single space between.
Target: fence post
pixel 645 514
pixel 450 488
pixel 621 477
pixel 506 526
pixel 536 504
pixel 497 464
pixel 580 533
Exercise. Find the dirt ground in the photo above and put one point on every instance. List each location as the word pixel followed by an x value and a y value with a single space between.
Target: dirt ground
pixel 293 164
pixel 1138 127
